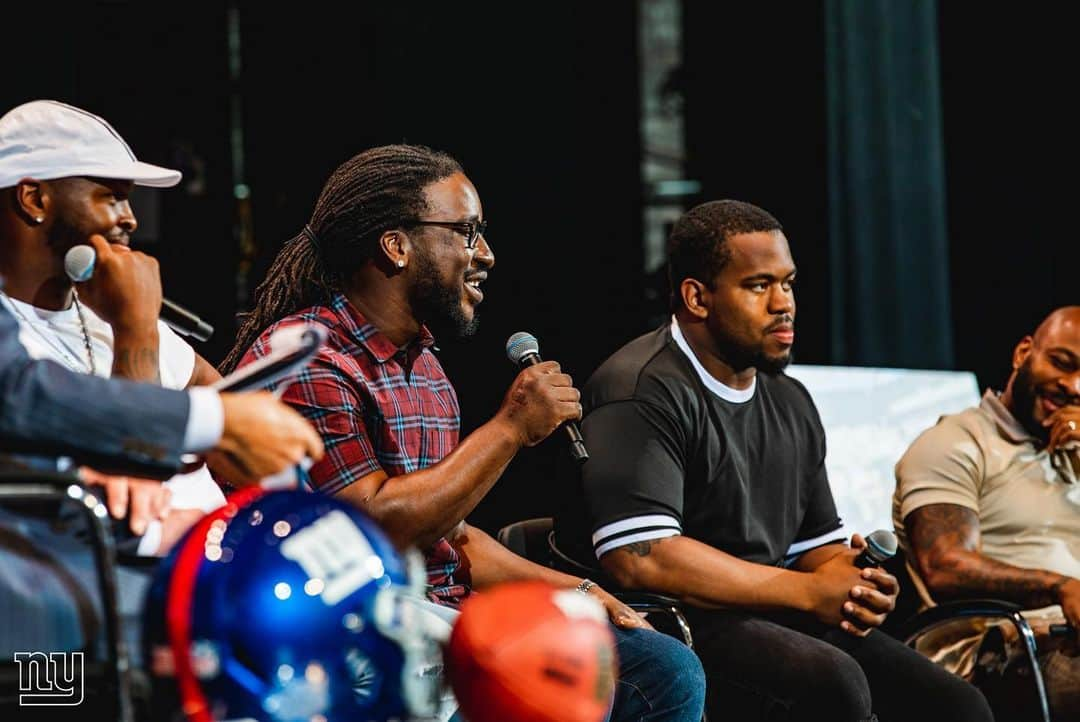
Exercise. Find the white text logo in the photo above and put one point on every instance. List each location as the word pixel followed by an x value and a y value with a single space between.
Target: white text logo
pixel 50 680
pixel 336 553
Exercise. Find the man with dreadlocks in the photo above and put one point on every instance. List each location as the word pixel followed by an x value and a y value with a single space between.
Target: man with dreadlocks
pixel 397 242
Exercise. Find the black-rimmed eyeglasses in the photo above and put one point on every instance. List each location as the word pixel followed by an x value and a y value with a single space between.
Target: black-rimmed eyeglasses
pixel 472 230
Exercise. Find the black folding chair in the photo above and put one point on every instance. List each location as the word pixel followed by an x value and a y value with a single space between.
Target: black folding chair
pixel 909 625
pixel 105 690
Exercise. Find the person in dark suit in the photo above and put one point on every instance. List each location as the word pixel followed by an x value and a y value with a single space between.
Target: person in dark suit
pixel 47 408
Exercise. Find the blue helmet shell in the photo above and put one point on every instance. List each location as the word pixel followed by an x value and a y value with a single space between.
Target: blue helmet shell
pixel 298 610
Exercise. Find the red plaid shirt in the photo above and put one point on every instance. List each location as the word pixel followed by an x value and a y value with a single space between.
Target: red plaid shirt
pixel 376 407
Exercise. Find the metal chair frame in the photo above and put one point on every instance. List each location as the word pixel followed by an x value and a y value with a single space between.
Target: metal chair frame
pixel 48 486
pixel 948 612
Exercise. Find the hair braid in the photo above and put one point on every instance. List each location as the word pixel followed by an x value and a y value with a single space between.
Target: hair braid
pixel 379 189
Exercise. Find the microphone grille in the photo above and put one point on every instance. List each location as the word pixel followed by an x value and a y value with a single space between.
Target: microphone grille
pixel 520 345
pixel 79 263
pixel 883 542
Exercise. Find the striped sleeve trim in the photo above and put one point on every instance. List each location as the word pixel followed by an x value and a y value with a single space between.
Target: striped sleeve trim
pixel 635 529
pixel 801 547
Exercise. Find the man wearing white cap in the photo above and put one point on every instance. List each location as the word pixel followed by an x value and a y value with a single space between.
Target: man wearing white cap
pixel 67 175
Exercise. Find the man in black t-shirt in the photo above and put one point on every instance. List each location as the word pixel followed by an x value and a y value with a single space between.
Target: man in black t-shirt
pixel 707 482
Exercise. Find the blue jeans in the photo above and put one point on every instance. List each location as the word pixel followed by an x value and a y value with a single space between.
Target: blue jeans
pixel 660 679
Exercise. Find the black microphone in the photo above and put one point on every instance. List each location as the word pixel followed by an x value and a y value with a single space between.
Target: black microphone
pixel 880 548
pixel 79 266
pixel 524 350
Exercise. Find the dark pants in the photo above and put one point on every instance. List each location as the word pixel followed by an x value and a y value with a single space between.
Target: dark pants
pixel 763 671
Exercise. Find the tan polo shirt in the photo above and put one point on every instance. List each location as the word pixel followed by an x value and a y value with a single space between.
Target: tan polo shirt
pixel 1028 504
pixel 983 459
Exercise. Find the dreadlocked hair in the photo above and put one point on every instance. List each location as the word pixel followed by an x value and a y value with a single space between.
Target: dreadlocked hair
pixel 377 190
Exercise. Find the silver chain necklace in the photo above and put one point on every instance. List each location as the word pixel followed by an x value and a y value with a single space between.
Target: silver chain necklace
pixel 85 332
pixel 53 341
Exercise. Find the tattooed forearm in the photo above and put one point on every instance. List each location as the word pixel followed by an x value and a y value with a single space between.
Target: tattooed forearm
pixel 981 576
pixel 945 546
pixel 137 364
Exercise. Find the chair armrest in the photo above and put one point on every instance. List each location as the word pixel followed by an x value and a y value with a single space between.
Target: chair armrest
pixel 985 608
pixel 669 606
pixel 948 611
pixel 643 600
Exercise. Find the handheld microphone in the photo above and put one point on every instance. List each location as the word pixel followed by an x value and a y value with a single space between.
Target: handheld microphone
pixel 79 266
pixel 880 548
pixel 524 350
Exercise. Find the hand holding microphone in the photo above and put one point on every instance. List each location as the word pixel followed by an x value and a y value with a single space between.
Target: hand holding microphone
pixel 123 287
pixel 542 398
pixel 873 600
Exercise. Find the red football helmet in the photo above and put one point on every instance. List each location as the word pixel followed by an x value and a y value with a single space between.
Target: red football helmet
pixel 527 652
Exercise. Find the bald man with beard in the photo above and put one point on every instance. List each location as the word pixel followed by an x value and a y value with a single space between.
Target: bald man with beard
pixel 987 504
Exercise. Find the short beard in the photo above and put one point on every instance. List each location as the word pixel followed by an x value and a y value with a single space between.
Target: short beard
pixel 771 366
pixel 740 357
pixel 439 307
pixel 1023 401
pixel 63 235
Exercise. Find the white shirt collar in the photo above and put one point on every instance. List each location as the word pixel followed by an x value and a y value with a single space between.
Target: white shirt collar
pixel 33 313
pixel 735 396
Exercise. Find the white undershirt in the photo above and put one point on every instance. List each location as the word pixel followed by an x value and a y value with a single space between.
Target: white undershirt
pixel 727 393
pixel 741 396
pixel 57 335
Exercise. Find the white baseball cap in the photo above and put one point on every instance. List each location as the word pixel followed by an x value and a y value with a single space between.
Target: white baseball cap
pixel 44 139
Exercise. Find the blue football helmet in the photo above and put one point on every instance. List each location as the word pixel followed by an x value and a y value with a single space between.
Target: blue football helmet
pixel 290 606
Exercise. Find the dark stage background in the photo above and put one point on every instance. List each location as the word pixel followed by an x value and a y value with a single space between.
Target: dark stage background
pixel 542 108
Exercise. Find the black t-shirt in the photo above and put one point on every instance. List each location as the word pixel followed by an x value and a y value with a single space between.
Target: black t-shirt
pixel 672 451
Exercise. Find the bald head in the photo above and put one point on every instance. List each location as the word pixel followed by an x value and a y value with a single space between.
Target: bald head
pixel 1046 371
pixel 1063 325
